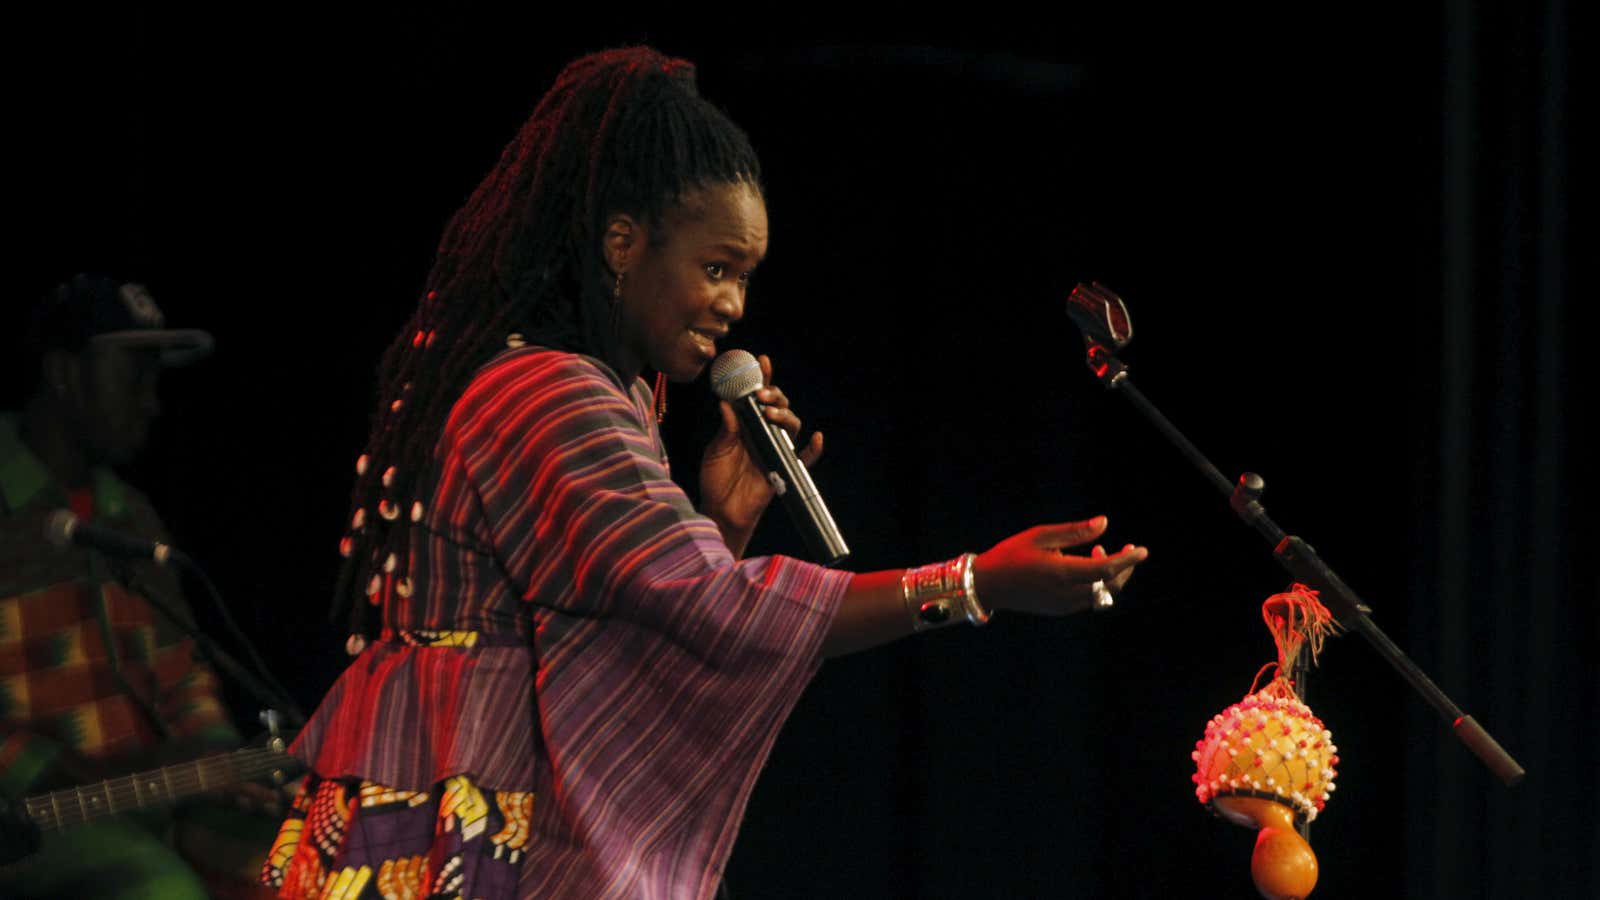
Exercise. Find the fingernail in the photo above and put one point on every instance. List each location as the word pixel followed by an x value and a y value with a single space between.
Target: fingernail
pixel 1099 521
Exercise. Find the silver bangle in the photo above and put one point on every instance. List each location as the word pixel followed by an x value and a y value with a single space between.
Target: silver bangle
pixel 942 594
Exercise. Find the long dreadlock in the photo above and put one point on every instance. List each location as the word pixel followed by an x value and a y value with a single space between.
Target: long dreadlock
pixel 620 131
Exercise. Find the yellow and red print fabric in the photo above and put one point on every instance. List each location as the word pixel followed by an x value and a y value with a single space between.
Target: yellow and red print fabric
pixel 347 839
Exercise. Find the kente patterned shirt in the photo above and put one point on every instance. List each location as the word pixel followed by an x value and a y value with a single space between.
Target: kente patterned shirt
pixel 611 656
pixel 86 664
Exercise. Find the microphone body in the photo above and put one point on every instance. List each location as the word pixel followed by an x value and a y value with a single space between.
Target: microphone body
pixel 64 529
pixel 735 377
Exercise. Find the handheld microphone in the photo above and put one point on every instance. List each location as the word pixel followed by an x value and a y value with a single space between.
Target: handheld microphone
pixel 735 378
pixel 64 529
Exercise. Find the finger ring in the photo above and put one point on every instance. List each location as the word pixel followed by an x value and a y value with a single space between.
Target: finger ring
pixel 1102 596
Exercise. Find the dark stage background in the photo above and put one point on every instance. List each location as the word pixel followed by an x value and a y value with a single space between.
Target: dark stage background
pixel 1344 240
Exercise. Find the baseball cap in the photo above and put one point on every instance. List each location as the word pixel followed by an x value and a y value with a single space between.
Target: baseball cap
pixel 94 309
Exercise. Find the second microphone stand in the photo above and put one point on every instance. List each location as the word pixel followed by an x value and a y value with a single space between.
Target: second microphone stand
pixel 1103 318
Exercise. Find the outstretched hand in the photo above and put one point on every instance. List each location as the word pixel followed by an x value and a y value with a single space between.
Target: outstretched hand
pixel 734 490
pixel 1032 572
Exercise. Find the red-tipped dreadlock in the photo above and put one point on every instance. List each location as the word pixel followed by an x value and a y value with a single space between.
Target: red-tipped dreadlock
pixel 621 131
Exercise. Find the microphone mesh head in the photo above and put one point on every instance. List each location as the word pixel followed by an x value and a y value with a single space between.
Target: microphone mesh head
pixel 735 374
pixel 58 528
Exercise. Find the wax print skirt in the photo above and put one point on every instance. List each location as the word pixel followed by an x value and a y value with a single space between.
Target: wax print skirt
pixel 348 839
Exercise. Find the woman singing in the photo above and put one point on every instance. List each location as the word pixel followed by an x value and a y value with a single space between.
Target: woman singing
pixel 574 678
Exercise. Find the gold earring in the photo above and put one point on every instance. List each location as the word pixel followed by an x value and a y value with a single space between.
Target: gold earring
pixel 616 290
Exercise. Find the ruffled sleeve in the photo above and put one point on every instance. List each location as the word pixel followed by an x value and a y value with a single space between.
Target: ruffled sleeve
pixel 665 666
pixel 581 511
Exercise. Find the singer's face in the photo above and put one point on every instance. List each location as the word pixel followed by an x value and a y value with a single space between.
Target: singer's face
pixel 688 281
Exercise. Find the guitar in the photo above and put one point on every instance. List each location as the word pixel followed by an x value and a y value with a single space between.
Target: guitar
pixel 71 807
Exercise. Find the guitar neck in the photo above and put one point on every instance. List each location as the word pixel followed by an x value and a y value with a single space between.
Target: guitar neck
pixel 157 787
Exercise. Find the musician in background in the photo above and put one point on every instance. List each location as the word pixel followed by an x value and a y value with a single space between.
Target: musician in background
pixel 94 681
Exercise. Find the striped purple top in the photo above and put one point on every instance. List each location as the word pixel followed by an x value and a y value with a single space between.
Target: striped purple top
pixel 625 667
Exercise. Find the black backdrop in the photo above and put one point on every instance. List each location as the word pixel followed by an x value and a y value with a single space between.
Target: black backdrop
pixel 1344 242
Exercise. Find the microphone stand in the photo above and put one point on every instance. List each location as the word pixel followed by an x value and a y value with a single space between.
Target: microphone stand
pixel 271 697
pixel 1103 318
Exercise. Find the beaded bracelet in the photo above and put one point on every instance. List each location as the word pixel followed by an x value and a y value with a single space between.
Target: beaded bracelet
pixel 942 594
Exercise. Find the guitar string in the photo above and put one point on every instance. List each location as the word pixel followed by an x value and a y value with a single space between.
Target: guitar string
pixel 74 806
pixel 77 806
